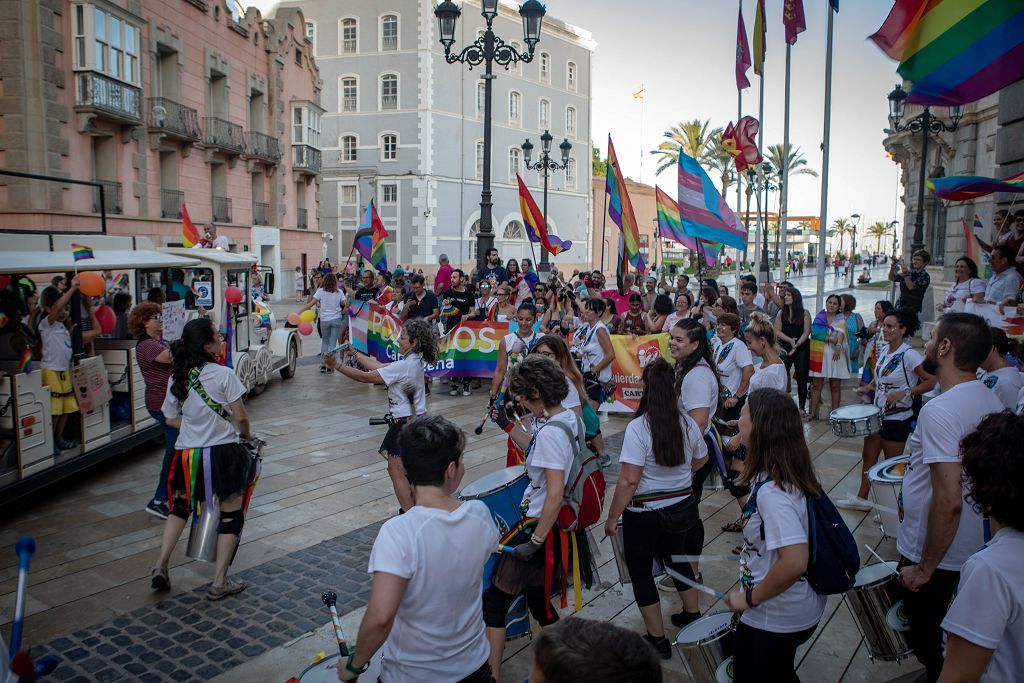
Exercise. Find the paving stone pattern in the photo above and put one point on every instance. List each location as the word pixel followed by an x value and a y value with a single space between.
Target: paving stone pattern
pixel 189 638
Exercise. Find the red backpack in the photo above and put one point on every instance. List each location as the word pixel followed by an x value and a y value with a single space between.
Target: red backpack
pixel 583 498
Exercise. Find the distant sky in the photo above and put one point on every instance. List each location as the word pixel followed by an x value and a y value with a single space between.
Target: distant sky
pixel 683 53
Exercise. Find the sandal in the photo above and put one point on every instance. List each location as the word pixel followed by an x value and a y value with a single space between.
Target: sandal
pixel 323 369
pixel 229 588
pixel 733 527
pixel 160 581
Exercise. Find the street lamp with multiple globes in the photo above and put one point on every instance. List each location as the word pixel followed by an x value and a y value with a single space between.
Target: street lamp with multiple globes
pixel 488 49
pixel 546 166
pixel 926 123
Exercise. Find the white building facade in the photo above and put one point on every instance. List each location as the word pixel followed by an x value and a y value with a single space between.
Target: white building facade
pixel 404 126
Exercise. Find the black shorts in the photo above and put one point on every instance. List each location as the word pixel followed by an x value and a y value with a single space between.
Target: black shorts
pixel 390 447
pixel 594 388
pixel 897 430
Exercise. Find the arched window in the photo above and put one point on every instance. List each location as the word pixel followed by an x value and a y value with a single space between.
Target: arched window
pixel 349 94
pixel 348 40
pixel 389 33
pixel 545 67
pixel 544 115
pixel 389 91
pixel 570 122
pixel 515 108
pixel 349 148
pixel 514 231
pixel 570 76
pixel 515 163
pixel 389 147
pixel 474 230
pixel 570 175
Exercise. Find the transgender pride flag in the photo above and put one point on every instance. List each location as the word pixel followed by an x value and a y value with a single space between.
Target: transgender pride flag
pixel 702 211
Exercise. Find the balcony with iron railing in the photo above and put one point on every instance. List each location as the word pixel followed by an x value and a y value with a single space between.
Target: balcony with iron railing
pixel 173 120
pixel 301 219
pixel 348 46
pixel 264 148
pixel 111 200
pixel 389 101
pixel 348 104
pixel 223 135
pixel 260 213
pixel 306 159
pixel 171 202
pixel 389 43
pixel 108 98
pixel 221 209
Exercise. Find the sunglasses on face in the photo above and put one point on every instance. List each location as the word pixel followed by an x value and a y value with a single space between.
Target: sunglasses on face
pixel 158 318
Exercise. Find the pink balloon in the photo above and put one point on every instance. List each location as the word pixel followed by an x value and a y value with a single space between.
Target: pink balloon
pixel 106 318
pixel 233 295
pixel 305 329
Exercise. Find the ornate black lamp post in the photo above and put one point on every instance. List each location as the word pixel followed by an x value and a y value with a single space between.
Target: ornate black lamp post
pixel 486 50
pixel 546 166
pixel 926 123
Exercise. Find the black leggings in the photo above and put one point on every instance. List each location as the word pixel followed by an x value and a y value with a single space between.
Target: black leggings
pixel 644 538
pixel 801 360
pixel 765 656
pixel 497 602
pixel 926 609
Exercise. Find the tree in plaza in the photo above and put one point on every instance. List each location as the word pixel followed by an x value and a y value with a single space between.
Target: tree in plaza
pixel 718 161
pixel 793 159
pixel 878 231
pixel 694 138
pixel 842 227
pixel 600 165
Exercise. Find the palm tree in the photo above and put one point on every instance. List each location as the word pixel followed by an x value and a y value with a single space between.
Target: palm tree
pixel 718 161
pixel 842 227
pixel 794 161
pixel 878 231
pixel 692 136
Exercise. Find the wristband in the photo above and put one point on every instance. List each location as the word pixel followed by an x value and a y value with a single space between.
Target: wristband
pixel 536 541
pixel 750 597
pixel 353 670
pixel 509 427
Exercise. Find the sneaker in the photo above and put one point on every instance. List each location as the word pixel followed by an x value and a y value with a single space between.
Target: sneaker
pixel 454 391
pixel 160 581
pixel 158 509
pixel 229 588
pixel 854 503
pixel 604 459
pixel 660 645
pixel 684 618
pixel 465 391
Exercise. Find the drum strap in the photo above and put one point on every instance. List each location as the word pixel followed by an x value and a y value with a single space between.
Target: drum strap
pixel 652 496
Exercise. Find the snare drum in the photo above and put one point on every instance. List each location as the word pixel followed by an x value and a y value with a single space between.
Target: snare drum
pixel 876 600
pixel 705 647
pixel 856 420
pixel 619 551
pixel 886 488
pixel 324 671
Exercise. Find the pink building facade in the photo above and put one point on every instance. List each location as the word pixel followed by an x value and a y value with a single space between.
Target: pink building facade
pixel 165 104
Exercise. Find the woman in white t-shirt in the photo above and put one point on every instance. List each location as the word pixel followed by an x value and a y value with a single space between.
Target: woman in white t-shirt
pixel 654 498
pixel 964 288
pixel 985 626
pixel 406 392
pixel 204 401
pixel 898 378
pixel 734 363
pixel 779 608
pixel 999 374
pixel 330 299
pixel 554 347
pixel 425 603
pixel 486 306
pixel 594 346
pixel 512 348
pixel 538 384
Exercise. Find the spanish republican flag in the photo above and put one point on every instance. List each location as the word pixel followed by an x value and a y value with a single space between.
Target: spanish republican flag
pixel 535 226
pixel 189 234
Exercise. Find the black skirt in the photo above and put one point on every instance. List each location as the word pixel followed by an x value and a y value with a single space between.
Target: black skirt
pixel 231 471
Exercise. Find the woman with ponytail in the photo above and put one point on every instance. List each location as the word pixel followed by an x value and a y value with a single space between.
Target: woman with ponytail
pixel 204 401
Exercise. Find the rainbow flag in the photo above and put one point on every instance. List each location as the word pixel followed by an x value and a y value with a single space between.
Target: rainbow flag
pixel 122 281
pixel 370 236
pixel 959 188
pixel 189 235
pixel 702 210
pixel 620 208
pixel 81 252
pixel 536 228
pixel 670 227
pixel 955 51
pixel 25 362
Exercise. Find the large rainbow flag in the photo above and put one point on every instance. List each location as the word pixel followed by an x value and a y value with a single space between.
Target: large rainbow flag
pixel 620 208
pixel 189 235
pixel 959 188
pixel 670 227
pixel 702 210
pixel 536 228
pixel 370 236
pixel 955 51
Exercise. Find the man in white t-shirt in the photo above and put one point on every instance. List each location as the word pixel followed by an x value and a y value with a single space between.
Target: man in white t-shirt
pixel 938 532
pixel 425 605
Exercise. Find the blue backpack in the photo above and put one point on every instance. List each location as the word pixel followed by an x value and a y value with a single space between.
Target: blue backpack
pixel 833 559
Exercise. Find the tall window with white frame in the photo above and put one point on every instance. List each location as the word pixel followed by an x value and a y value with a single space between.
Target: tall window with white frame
pixel 543 115
pixel 349 149
pixel 570 76
pixel 515 108
pixel 515 164
pixel 480 95
pixel 570 175
pixel 479 159
pixel 389 147
pixel 389 92
pixel 389 193
pixel 570 122
pixel 545 67
pixel 311 34
pixel 349 195
pixel 108 45
pixel 348 40
pixel 349 94
pixel 389 32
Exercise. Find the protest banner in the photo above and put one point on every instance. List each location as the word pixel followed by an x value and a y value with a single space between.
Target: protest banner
pixel 631 355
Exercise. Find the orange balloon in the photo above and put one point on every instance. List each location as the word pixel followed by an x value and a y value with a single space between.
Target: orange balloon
pixel 91 283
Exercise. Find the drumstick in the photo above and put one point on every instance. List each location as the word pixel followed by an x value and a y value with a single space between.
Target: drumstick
pixel 487 415
pixel 330 598
pixel 705 558
pixel 875 555
pixel 693 584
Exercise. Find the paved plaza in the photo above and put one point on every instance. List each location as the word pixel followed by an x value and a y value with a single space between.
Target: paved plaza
pixel 323 494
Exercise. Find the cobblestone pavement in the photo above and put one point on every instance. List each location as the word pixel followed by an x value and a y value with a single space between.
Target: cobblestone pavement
pixel 187 638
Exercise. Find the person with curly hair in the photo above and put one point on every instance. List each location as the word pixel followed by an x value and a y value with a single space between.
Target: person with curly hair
pixel 406 392
pixel 984 625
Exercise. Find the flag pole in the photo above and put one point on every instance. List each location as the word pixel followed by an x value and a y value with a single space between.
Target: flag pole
pixel 604 219
pixel 739 183
pixel 784 190
pixel 761 258
pixel 643 116
pixel 349 259
pixel 823 219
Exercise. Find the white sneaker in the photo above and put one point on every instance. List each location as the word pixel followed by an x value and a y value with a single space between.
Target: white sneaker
pixel 465 391
pixel 854 503
pixel 454 391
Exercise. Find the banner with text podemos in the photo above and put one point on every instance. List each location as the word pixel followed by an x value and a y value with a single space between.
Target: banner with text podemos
pixel 631 355
pixel 469 350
